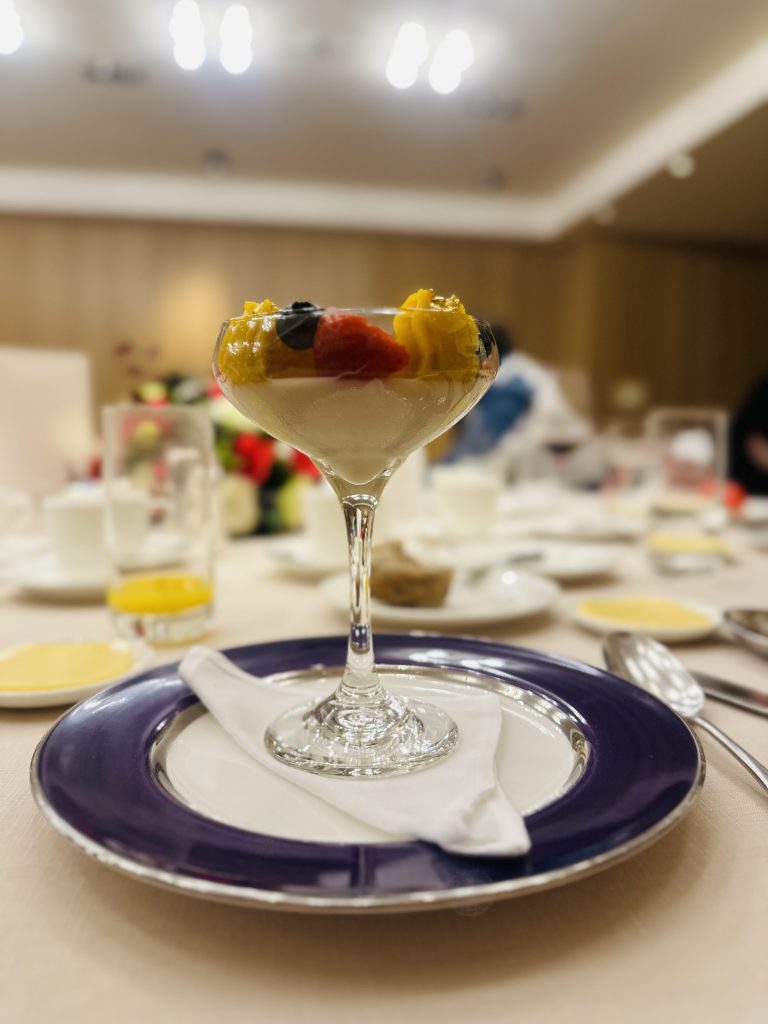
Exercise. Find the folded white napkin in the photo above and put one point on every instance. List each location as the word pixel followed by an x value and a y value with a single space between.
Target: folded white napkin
pixel 456 803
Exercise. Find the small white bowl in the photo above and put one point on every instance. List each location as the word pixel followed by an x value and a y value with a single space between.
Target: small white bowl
pixel 71 695
pixel 668 634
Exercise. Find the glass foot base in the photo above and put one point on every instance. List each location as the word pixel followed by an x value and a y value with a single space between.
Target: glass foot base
pixel 391 737
pixel 156 629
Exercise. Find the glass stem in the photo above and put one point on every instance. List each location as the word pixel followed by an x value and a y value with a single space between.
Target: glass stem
pixel 360 683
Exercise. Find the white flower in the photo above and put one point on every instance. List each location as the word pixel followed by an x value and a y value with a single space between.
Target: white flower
pixel 238 505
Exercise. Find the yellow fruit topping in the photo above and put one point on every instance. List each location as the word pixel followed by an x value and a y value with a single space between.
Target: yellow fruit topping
pixel 441 337
pixel 242 349
pixel 251 350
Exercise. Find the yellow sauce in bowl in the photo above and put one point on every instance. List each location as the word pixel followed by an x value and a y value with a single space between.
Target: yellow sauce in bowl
pixel 687 543
pixel 56 666
pixel 644 613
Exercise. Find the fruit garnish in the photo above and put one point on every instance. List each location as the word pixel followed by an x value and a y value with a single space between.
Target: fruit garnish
pixel 252 350
pixel 440 335
pixel 297 324
pixel 346 345
pixel 241 353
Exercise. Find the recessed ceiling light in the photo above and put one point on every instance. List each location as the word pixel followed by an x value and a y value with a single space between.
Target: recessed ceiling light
pixel 236 34
pixel 409 51
pixel 109 72
pixel 216 162
pixel 11 32
pixel 452 57
pixel 681 165
pixel 605 215
pixel 494 178
pixel 494 106
pixel 188 34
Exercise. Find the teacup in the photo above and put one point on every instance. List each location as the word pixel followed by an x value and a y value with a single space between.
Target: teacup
pixel 74 519
pixel 466 499
pixel 324 525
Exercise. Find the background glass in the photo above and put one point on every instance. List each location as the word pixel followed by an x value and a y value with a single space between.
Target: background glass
pixel 157 467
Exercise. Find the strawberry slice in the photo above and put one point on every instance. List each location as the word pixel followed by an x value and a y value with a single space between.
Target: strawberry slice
pixel 346 345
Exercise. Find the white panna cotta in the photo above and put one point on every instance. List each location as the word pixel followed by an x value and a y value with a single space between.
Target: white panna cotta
pixel 356 428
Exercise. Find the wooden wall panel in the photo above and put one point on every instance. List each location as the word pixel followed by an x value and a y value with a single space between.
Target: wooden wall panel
pixel 690 319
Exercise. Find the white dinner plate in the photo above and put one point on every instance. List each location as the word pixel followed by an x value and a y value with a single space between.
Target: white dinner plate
pixel 40 574
pixel 142 657
pixel 754 512
pixel 599 526
pixel 474 555
pixel 297 557
pixel 668 634
pixel 496 597
pixel 569 562
pixel 43 576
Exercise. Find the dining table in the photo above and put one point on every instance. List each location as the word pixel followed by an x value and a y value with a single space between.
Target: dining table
pixel 679 931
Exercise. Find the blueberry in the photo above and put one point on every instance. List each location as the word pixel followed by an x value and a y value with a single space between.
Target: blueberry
pixel 486 341
pixel 297 323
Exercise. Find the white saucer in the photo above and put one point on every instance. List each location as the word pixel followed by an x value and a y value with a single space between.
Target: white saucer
pixel 569 562
pixel 667 634
pixel 43 576
pixel 496 597
pixel 599 526
pixel 71 695
pixel 474 554
pixel 40 574
pixel 297 557
pixel 754 512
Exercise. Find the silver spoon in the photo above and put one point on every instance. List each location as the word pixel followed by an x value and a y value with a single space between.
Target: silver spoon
pixel 650 665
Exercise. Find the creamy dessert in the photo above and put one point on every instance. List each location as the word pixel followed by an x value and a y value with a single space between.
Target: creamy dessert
pixel 340 387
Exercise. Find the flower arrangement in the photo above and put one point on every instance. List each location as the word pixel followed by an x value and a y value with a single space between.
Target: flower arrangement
pixel 261 480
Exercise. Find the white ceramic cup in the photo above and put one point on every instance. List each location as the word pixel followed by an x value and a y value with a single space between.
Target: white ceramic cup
pixel 465 499
pixel 403 501
pixel 74 519
pixel 324 525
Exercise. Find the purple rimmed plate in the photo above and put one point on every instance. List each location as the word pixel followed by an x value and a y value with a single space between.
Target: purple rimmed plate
pixel 635 770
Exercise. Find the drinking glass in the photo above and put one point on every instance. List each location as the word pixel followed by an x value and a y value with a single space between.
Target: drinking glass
pixel 691 452
pixel 159 523
pixel 357 390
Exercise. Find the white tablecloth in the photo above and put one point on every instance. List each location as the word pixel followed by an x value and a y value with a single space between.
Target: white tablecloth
pixel 678 932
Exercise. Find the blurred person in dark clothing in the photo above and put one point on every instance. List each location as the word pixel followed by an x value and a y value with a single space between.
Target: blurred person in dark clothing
pixel 748 443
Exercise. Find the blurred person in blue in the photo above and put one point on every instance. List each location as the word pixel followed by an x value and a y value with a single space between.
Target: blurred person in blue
pixel 525 427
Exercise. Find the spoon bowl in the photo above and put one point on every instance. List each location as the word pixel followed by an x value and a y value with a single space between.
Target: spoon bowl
pixel 748 626
pixel 650 665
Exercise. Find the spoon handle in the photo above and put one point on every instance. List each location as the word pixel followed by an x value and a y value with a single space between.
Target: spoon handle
pixel 753 766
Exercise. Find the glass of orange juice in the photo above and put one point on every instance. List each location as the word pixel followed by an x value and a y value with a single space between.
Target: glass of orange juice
pixel 158 472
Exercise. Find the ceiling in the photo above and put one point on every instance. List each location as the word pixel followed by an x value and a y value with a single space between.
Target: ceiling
pixel 726 197
pixel 558 92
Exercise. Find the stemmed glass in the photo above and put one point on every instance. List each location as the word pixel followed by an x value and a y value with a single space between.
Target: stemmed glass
pixel 358 390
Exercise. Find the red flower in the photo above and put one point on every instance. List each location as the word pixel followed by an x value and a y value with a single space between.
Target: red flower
pixel 257 455
pixel 301 463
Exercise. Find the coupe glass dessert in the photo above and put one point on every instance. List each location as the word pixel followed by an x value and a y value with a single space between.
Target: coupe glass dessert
pixel 358 390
